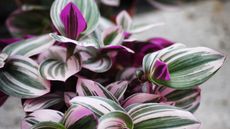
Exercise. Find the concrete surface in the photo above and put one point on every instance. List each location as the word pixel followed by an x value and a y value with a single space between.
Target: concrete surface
pixel 204 24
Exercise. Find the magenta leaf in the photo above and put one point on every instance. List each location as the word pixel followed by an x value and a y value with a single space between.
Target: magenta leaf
pixel 73 21
pixel 161 71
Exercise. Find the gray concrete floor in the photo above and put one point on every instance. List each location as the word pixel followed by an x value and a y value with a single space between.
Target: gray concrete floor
pixel 204 24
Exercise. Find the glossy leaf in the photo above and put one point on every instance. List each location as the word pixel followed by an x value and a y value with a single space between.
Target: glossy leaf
pixel 158 116
pixel 98 105
pixel 188 67
pixel 87 87
pixel 56 66
pixel 88 9
pixel 29 47
pixel 116 120
pixel 79 117
pixel 45 115
pixel 20 78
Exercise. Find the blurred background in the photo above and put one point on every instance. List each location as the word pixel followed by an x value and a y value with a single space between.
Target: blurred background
pixel 192 22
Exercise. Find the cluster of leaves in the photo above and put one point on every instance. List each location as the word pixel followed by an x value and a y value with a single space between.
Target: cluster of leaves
pixel 91 74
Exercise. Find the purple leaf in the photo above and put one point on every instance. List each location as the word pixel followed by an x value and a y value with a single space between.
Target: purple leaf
pixel 161 71
pixel 48 101
pixel 73 21
pixel 160 42
pixel 115 48
pixel 140 98
pixel 38 116
pixel 118 88
pixel 3 98
pixel 76 115
pixel 68 96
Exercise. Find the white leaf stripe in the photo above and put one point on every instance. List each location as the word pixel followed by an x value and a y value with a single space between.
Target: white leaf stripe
pixel 118 88
pixel 29 47
pixel 116 119
pixel 155 115
pixel 56 67
pixel 88 8
pixel 188 67
pixel 98 105
pixel 20 78
pixel 87 87
pixel 39 116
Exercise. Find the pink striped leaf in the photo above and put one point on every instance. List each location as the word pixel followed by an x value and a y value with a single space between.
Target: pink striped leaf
pixel 68 96
pixel 116 120
pixel 79 117
pixel 140 98
pixel 117 88
pixel 45 115
pixel 48 101
pixel 87 87
pixel 55 65
pixel 186 99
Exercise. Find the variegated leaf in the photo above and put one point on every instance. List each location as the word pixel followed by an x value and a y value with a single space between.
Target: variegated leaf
pixel 79 117
pixel 116 120
pixel 45 115
pixel 87 7
pixel 158 116
pixel 95 61
pixel 144 27
pixel 29 47
pixel 3 57
pixel 20 78
pixel 186 99
pixel 48 125
pixel 98 105
pixel 87 87
pixel 188 67
pixel 124 20
pixel 56 66
pixel 140 98
pixel 118 88
pixel 52 100
pixel 113 36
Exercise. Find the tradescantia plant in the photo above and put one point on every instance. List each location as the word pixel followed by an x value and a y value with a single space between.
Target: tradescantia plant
pixel 91 74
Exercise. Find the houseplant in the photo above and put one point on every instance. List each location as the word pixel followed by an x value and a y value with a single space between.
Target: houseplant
pixel 90 73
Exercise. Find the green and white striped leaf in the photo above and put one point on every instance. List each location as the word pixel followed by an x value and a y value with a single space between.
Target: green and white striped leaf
pixel 88 9
pixel 100 106
pixel 87 87
pixel 113 36
pixel 118 88
pixel 116 120
pixel 48 125
pixel 56 66
pixel 95 61
pixel 144 27
pixel 158 116
pixel 79 117
pixel 3 57
pixel 188 67
pixel 20 78
pixel 45 115
pixel 47 101
pixel 29 47
pixel 111 2
pixel 124 20
pixel 186 99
